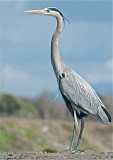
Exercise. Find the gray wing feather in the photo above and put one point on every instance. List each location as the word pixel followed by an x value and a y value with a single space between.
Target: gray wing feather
pixel 82 95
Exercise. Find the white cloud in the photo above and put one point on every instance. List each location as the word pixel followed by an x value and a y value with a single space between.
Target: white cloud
pixel 11 74
pixel 109 64
pixel 98 77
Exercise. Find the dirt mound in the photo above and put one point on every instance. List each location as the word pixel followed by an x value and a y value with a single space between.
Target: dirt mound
pixel 52 136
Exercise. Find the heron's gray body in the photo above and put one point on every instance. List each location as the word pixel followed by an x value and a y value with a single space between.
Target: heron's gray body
pixel 81 95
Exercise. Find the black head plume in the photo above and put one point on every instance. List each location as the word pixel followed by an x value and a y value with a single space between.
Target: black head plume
pixel 55 9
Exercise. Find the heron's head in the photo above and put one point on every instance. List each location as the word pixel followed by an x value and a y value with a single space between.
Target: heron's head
pixel 50 11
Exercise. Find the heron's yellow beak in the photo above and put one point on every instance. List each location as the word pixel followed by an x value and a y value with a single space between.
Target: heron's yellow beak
pixel 35 11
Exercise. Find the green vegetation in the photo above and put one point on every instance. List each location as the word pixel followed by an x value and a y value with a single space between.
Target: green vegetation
pixel 49 150
pixel 3 145
pixel 5 139
pixel 9 104
pixel 86 147
pixel 11 124
pixel 7 136
pixel 26 135
pixel 15 106
pixel 29 133
pixel 89 148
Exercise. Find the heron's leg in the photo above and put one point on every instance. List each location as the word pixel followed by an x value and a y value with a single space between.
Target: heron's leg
pixel 73 137
pixel 81 130
pixel 75 126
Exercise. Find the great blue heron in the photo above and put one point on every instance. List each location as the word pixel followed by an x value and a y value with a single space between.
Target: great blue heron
pixel 79 96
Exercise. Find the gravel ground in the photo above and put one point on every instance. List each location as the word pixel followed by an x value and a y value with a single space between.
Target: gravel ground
pixel 80 155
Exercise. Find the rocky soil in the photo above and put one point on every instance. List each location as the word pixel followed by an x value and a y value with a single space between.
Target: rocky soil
pixel 80 155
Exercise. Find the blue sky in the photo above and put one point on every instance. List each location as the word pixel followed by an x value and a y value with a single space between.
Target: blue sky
pixel 85 45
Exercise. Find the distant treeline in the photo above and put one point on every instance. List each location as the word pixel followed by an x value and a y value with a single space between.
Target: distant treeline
pixel 44 107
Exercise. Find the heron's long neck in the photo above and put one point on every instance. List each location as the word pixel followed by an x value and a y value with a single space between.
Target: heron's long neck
pixel 55 56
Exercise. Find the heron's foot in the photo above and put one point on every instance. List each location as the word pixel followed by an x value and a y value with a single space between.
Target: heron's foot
pixel 76 150
pixel 69 150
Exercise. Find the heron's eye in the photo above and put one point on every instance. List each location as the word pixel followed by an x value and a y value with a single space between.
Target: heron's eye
pixel 63 75
pixel 48 11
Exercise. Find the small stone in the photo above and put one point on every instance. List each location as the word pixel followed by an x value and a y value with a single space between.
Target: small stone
pixel 10 154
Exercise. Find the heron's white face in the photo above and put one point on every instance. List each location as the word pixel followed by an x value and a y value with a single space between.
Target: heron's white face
pixel 50 12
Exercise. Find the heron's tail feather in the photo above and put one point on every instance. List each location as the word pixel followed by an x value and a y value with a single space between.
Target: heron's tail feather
pixel 104 115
